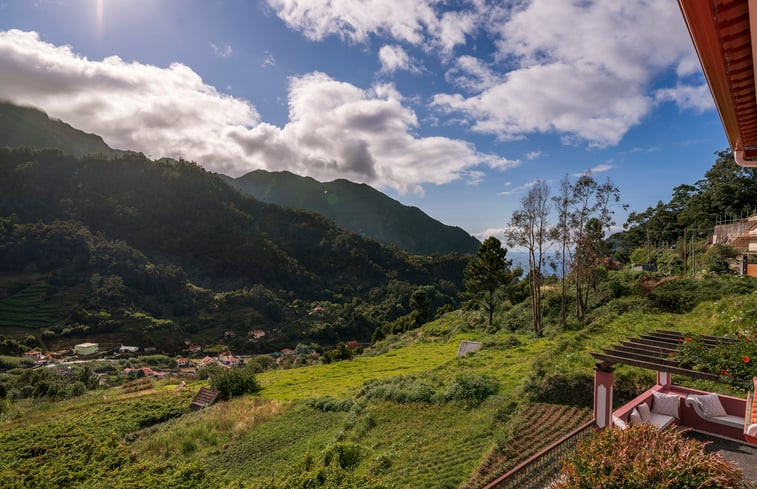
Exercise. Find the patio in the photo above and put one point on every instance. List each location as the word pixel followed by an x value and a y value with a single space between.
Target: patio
pixel 655 351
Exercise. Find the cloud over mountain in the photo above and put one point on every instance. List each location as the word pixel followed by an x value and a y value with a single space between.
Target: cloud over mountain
pixel 335 129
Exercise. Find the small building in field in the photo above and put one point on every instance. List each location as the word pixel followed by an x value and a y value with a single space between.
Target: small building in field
pixel 194 349
pixel 352 344
pixel 84 349
pixel 128 349
pixel 287 351
pixel 34 355
pixel 183 362
pixel 468 347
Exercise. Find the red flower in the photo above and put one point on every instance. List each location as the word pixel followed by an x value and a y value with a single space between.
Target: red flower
pixel 745 359
pixel 724 371
pixel 688 338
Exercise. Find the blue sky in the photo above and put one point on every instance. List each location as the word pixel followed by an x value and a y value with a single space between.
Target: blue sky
pixel 452 106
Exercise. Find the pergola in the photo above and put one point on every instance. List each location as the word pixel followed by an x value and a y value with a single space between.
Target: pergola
pixel 723 33
pixel 653 351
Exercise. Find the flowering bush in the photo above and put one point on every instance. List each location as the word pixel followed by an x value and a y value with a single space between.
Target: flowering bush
pixel 735 362
pixel 640 457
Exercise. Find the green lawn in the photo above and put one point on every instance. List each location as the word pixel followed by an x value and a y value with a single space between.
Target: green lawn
pixel 342 379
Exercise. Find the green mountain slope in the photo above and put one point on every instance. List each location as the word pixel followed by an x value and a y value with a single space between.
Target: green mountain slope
pixel 359 208
pixel 134 238
pixel 29 127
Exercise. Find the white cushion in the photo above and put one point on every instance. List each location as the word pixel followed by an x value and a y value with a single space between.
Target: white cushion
pixel 667 404
pixel 752 430
pixel 728 420
pixel 711 405
pixel 634 417
pixel 619 423
pixel 644 412
pixel 662 421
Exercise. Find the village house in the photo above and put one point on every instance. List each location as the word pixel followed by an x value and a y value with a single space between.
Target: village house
pixel 128 349
pixel 287 351
pixel 183 362
pixel 207 361
pixel 256 334
pixel 229 360
pixel 194 349
pixel 34 355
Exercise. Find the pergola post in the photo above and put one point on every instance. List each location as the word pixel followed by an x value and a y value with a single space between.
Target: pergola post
pixel 603 380
pixel 664 379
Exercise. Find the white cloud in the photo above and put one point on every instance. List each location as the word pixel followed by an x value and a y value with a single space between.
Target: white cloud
pixel 602 167
pixel 223 51
pixel 471 73
pixel 582 69
pixel 167 111
pixel 691 97
pixel 395 58
pixel 519 189
pixel 498 233
pixel 339 130
pixel 417 22
pixel 335 129
pixel 532 155
pixel 268 60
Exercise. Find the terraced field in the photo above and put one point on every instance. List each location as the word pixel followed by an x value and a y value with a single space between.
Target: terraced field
pixel 538 427
pixel 29 308
pixel 404 451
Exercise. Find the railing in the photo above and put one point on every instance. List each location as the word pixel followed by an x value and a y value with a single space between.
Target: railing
pixel 542 469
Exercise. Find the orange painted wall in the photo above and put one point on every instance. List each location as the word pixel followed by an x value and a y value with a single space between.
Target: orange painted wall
pixel 751 270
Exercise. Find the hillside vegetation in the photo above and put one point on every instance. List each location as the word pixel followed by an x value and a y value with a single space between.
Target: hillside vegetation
pixel 407 413
pixel 358 208
pixel 165 250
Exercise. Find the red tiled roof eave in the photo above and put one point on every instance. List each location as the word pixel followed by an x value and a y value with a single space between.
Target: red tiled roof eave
pixel 722 35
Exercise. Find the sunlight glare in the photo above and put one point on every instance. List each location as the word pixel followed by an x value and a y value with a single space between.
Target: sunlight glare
pixel 99 17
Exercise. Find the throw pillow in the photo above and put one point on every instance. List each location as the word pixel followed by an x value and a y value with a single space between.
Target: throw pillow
pixel 644 412
pixel 711 405
pixel 667 404
pixel 635 418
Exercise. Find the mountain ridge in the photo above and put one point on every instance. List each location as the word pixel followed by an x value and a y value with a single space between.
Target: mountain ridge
pixel 359 208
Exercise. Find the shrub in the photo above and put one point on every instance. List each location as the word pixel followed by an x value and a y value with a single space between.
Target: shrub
pixel 471 389
pixel 573 389
pixel 640 457
pixel 402 389
pixel 735 362
pixel 344 455
pixel 328 403
pixel 234 381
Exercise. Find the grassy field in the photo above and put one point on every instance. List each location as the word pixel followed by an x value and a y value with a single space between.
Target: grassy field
pixel 342 379
pixel 148 438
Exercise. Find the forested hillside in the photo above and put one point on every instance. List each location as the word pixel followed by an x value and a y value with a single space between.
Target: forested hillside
pixel 727 191
pixel 359 208
pixel 173 242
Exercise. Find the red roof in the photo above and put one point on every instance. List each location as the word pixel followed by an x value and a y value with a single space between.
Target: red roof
pixel 720 30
